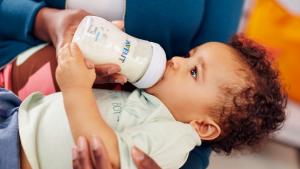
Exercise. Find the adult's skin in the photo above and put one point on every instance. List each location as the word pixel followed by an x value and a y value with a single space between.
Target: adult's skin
pixel 83 160
pixel 182 26
pixel 58 27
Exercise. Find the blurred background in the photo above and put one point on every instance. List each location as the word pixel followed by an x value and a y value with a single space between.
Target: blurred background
pixel 276 25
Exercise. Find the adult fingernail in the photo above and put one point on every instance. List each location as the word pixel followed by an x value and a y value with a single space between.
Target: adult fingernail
pixel 89 64
pixel 138 154
pixel 121 81
pixel 112 70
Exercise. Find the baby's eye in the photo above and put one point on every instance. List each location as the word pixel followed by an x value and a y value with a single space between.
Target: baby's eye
pixel 194 72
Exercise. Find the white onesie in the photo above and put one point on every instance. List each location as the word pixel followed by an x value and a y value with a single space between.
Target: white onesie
pixel 137 118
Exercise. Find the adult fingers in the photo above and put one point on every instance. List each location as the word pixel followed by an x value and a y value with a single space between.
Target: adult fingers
pixel 65 25
pixel 119 24
pixel 142 161
pixel 66 38
pixel 107 69
pixel 89 64
pixel 83 153
pixel 100 155
pixel 115 78
pixel 75 161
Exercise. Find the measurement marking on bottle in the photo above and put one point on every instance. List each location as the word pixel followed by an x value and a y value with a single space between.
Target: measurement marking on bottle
pixel 97 36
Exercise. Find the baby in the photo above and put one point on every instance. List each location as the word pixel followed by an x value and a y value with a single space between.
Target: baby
pixel 227 95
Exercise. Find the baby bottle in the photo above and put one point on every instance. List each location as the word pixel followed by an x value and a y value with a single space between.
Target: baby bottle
pixel 142 62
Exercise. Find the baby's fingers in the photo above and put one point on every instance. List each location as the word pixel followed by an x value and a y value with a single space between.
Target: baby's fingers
pixel 107 69
pixel 64 53
pixel 76 52
pixel 114 78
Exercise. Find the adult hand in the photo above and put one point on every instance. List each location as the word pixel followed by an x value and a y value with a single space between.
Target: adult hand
pixel 83 160
pixel 58 26
pixel 142 161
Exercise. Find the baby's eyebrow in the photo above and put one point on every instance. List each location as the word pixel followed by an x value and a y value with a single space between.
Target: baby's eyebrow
pixel 203 67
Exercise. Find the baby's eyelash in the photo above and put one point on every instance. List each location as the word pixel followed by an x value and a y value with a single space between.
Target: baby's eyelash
pixel 187 55
pixel 194 72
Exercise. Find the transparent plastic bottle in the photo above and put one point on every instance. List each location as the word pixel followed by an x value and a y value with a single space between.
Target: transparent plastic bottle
pixel 142 62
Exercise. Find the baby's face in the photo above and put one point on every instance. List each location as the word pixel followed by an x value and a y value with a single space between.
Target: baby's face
pixel 192 84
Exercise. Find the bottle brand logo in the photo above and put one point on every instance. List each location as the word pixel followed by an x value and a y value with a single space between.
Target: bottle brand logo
pixel 125 51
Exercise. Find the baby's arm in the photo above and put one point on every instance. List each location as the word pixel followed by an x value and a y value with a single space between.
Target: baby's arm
pixel 75 80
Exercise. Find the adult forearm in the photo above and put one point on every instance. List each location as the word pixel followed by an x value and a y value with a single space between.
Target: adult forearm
pixel 56 25
pixel 85 120
pixel 43 22
pixel 17 19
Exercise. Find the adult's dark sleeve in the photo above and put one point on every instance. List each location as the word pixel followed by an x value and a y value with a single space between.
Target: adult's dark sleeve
pixel 198 158
pixel 220 21
pixel 178 26
pixel 17 18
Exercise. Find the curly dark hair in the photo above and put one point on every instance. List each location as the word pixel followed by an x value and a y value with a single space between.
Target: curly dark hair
pixel 250 113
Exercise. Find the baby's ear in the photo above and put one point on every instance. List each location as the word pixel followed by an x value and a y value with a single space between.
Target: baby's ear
pixel 207 129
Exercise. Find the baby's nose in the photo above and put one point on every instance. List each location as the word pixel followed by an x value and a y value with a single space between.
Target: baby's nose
pixel 175 62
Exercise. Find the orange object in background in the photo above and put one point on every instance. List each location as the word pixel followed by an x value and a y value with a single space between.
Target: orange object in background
pixel 273 26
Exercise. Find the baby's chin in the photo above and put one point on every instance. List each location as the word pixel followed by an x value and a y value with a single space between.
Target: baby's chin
pixel 158 85
pixel 155 89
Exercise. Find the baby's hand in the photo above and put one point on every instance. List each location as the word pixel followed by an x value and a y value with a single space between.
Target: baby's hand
pixel 72 72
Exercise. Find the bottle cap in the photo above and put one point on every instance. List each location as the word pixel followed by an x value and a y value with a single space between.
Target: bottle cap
pixel 156 68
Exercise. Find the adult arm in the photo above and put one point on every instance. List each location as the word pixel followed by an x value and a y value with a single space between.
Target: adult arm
pixel 17 18
pixel 220 22
pixel 57 26
pixel 25 23
pixel 30 21
pixel 183 24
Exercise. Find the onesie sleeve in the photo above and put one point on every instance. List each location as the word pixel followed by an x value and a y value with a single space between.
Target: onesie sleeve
pixel 168 143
